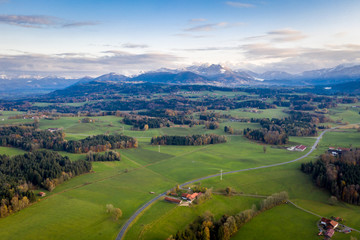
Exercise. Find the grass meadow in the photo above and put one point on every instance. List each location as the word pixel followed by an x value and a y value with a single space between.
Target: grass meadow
pixel 76 208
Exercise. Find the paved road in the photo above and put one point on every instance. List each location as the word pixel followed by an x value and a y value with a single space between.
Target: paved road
pixel 142 208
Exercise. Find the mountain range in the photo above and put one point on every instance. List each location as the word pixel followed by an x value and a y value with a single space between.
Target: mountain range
pixel 214 74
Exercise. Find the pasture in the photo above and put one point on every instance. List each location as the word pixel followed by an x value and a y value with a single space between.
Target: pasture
pixel 76 208
pixel 288 178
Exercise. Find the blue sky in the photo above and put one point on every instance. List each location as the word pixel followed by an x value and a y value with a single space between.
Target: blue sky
pixel 76 38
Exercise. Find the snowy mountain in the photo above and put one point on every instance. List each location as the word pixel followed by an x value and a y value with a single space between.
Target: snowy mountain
pixel 111 77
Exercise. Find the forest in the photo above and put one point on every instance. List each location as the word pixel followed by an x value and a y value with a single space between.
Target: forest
pixel 274 135
pixel 99 143
pixel 207 227
pixel 277 131
pixel 196 140
pixel 21 173
pixel 339 174
pixel 28 138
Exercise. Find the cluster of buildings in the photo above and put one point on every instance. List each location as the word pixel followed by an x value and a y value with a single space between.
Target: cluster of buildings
pixel 329 226
pixel 54 129
pixel 185 198
pixel 337 151
pixel 190 197
pixel 299 148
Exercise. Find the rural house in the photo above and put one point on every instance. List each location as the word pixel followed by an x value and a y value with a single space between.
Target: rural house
pixel 173 200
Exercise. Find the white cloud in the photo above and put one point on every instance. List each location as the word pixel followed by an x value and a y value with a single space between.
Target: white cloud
pixel 80 64
pixel 266 50
pixel 280 35
pixel 134 45
pixel 286 35
pixel 207 27
pixel 38 21
pixel 239 4
pixel 264 57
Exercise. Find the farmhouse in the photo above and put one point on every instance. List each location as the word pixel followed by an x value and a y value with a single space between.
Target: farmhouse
pixel 329 233
pixel 53 129
pixel 337 151
pixel 173 200
pixel 299 148
pixel 190 197
pixel 42 194
pixel 329 224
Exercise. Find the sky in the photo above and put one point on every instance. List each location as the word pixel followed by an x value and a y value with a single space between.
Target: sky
pixel 89 38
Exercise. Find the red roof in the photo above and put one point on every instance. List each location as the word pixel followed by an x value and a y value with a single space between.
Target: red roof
pixel 174 200
pixel 301 147
pixel 193 196
pixel 330 232
pixel 344 149
pixel 334 224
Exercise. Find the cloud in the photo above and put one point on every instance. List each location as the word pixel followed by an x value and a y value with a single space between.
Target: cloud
pixel 132 45
pixel 208 49
pixel 79 24
pixel 265 57
pixel 239 4
pixel 187 35
pixel 40 21
pixel 280 35
pixel 80 64
pixel 265 50
pixel 340 34
pixel 286 35
pixel 207 27
pixel 196 20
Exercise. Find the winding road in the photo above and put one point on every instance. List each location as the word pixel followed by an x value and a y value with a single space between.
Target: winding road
pixel 142 208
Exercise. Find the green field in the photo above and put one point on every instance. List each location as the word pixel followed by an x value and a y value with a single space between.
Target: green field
pixel 11 151
pixel 267 181
pixel 76 208
pixel 262 113
pixel 178 217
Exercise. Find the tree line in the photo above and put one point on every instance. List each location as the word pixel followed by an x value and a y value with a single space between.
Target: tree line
pixel 19 174
pixel 188 140
pixel 276 136
pixel 339 174
pixel 206 227
pixel 99 143
pixel 142 122
pixel 107 156
pixel 277 131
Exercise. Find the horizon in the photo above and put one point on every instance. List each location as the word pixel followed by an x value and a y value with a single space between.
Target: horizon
pixel 159 70
pixel 91 39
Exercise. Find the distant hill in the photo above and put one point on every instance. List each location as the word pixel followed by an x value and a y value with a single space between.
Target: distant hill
pixel 216 74
pixel 206 74
pixel 352 87
pixel 18 87
pixel 172 78
pixel 111 77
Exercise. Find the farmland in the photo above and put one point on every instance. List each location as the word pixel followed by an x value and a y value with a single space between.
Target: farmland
pixel 76 208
